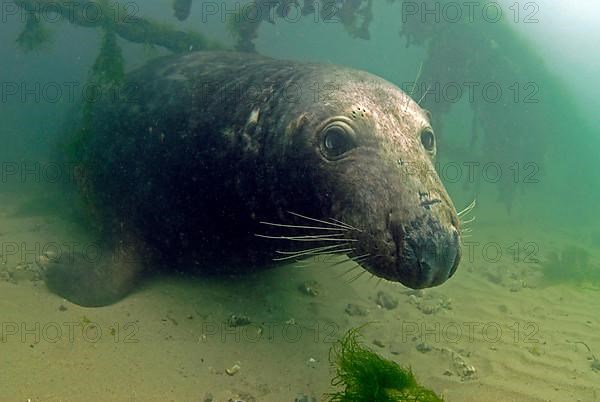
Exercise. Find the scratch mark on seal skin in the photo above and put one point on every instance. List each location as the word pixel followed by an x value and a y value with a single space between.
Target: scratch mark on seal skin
pixel 427 204
pixel 426 201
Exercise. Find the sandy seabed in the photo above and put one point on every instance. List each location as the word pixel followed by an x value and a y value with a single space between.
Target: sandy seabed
pixel 494 332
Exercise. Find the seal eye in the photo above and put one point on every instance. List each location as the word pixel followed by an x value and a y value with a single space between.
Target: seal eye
pixel 428 140
pixel 337 140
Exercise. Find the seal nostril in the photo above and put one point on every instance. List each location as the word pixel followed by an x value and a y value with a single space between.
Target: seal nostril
pixel 396 230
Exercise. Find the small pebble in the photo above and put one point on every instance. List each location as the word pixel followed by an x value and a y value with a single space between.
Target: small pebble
pixel 386 301
pixel 238 320
pixel 233 369
pixel 310 288
pixel 423 348
pixel 355 310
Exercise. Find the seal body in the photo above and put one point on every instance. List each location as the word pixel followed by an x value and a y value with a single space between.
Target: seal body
pixel 200 153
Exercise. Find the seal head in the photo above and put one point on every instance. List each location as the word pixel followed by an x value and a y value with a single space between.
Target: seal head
pixel 368 150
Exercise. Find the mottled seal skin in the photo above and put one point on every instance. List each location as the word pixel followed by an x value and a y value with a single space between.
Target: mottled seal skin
pixel 200 148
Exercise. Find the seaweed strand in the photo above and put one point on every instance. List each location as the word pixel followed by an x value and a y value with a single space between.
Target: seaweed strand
pixel 366 376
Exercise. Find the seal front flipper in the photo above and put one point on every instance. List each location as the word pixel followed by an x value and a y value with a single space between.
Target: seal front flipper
pixel 90 281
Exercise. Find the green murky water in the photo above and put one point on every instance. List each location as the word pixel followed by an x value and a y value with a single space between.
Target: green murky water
pixel 511 89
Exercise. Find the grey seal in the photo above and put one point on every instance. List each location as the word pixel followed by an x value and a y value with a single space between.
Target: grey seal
pixel 224 161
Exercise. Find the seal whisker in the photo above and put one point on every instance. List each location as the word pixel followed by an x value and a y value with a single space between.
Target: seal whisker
pixel 304 263
pixel 417 79
pixel 468 221
pixel 340 263
pixel 360 260
pixel 356 260
pixel 337 224
pixel 307 238
pixel 293 255
pixel 315 236
pixel 355 277
pixel 344 250
pixel 414 86
pixel 346 225
pixel 468 209
pixel 283 225
pixel 321 248
pixel 424 95
pixel 467 230
pixel 335 264
pixel 348 271
pixel 306 255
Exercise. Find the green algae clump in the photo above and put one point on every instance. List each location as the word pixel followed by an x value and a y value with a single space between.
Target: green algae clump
pixel 368 377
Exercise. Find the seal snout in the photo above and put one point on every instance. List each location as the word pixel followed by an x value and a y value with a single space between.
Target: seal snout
pixel 427 252
pixel 438 261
